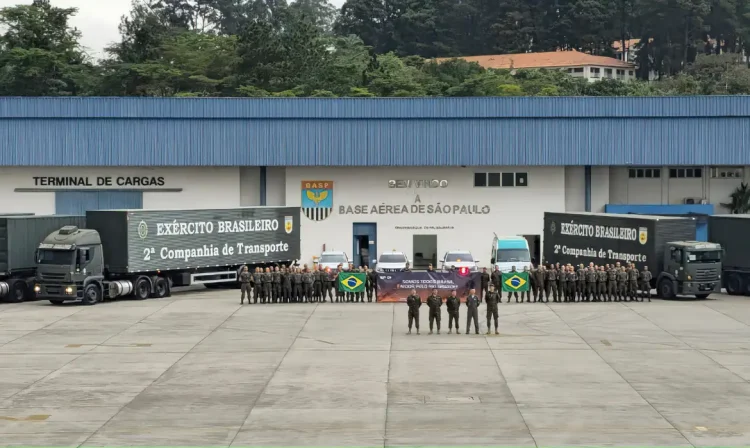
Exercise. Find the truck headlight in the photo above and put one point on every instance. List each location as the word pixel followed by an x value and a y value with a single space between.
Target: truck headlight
pixel 690 278
pixel 68 290
pixel 37 288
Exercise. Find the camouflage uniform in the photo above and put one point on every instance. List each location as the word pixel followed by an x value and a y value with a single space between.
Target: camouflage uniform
pixel 646 284
pixel 601 285
pixel 257 285
pixel 413 302
pixel 633 276
pixel 590 284
pixel 245 286
pixel 612 283
pixel 492 300
pixel 434 302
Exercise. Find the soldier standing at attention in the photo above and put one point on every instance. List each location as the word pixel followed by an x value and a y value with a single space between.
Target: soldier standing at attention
pixel 434 302
pixel 527 293
pixel 286 285
pixel 622 284
pixel 645 283
pixel 572 281
pixel 497 279
pixel 541 277
pixel 472 313
pixel 257 286
pixel 297 279
pixel 533 281
pixel 368 284
pixel 307 285
pixel 601 285
pixel 413 302
pixel 361 294
pixel 336 286
pixel 633 276
pixel 591 277
pixel 276 285
pixel 491 300
pixel 551 286
pixel 513 293
pixel 430 268
pixel 561 281
pixel 452 304
pixel 485 282
pixel 245 280
pixel 373 276
pixel 611 282
pixel 581 286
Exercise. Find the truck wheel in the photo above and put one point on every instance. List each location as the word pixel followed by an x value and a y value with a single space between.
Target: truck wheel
pixel 702 296
pixel 161 288
pixel 19 292
pixel 666 289
pixel 92 295
pixel 56 301
pixel 734 285
pixel 142 289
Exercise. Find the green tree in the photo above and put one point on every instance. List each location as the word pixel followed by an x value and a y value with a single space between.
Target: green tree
pixel 40 54
pixel 739 200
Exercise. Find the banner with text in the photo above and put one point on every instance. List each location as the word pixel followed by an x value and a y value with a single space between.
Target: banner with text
pixel 396 286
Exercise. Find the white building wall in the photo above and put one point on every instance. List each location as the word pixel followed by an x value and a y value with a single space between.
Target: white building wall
pixel 276 186
pixel 513 210
pixel 249 186
pixel 599 188
pixel 575 189
pixel 201 187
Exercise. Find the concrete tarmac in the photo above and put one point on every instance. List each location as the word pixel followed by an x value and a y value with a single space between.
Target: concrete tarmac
pixel 198 369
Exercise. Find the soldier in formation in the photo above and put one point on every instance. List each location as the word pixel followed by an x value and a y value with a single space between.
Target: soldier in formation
pixel 472 311
pixel 413 301
pixel 452 304
pixel 492 299
pixel 434 302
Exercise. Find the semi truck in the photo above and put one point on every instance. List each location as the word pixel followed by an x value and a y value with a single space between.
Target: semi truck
pixel 680 265
pixel 730 231
pixel 145 253
pixel 19 237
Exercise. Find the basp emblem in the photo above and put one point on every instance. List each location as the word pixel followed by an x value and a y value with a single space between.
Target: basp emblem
pixel 288 224
pixel 142 229
pixel 317 199
pixel 643 235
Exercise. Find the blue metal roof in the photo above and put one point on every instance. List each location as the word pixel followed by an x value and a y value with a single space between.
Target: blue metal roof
pixel 704 130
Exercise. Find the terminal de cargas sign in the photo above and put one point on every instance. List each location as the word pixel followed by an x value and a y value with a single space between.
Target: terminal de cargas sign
pixel 418 183
pixel 417 208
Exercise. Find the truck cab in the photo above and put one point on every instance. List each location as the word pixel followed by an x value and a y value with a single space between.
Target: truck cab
pixel 509 252
pixel 70 264
pixel 690 268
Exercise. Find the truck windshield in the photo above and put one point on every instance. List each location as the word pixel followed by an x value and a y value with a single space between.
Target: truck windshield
pixel 704 256
pixel 59 257
pixel 459 257
pixel 392 259
pixel 333 258
pixel 507 255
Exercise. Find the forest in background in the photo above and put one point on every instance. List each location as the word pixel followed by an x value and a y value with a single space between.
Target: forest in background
pixel 374 48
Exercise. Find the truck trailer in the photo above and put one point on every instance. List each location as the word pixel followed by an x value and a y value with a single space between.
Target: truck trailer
pixel 680 265
pixel 144 253
pixel 19 237
pixel 731 232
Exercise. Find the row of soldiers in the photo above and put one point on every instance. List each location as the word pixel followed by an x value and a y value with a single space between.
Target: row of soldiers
pixel 566 283
pixel 453 305
pixel 301 285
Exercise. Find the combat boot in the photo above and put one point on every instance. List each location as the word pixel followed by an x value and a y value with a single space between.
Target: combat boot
pixel 488 331
pixel 450 331
pixel 496 332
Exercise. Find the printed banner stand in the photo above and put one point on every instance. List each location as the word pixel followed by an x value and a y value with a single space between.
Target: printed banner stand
pixel 396 286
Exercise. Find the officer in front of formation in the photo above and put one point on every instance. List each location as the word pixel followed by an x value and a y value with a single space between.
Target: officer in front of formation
pixel 472 311
pixel 413 301
pixel 491 299
pixel 452 304
pixel 434 302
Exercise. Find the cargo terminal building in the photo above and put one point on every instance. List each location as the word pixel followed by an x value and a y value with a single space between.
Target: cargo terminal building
pixel 419 176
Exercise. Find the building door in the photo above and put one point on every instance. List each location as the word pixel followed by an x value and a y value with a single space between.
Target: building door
pixel 78 202
pixel 425 251
pixel 364 244
pixel 534 247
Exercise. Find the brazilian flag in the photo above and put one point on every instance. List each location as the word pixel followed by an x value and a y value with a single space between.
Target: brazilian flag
pixel 515 281
pixel 352 282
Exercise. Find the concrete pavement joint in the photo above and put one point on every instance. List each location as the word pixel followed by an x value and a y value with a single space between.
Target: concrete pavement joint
pixel 162 374
pixel 270 377
pixel 628 382
pixel 388 377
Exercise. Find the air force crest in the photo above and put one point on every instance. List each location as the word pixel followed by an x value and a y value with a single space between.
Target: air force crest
pixel 317 199
pixel 642 235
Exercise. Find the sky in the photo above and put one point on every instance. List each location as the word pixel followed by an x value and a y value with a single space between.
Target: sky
pixel 97 20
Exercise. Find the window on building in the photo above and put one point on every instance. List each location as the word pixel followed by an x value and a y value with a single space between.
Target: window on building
pixel 595 72
pixel 608 72
pixel 685 173
pixel 570 70
pixel 727 172
pixel 578 70
pixel 480 179
pixel 630 73
pixel 647 173
pixel 522 179
pixel 493 179
pixel 508 180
